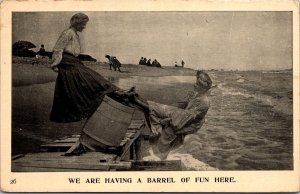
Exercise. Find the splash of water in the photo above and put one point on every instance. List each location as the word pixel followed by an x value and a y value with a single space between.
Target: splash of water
pixel 188 162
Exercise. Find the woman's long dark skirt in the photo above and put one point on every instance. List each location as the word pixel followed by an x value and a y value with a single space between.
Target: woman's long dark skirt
pixel 78 91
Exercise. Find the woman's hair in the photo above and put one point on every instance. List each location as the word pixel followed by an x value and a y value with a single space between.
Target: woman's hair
pixel 79 18
pixel 203 79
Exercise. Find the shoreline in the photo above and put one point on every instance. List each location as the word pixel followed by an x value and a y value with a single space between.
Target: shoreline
pixel 24 73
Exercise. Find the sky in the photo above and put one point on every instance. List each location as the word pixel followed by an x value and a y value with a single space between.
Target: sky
pixel 204 40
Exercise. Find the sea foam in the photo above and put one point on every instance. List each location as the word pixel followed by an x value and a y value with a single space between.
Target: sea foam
pixel 282 105
pixel 188 162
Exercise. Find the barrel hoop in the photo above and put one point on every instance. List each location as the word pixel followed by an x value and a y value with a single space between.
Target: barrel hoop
pixel 131 111
pixel 96 138
pixel 121 106
pixel 128 110
pixel 122 122
pixel 88 146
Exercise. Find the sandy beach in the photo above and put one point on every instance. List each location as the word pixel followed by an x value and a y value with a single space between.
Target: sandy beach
pixel 24 73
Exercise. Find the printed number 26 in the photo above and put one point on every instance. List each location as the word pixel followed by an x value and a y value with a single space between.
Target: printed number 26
pixel 14 181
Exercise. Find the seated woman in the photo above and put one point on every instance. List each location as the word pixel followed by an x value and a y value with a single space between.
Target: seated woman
pixel 173 123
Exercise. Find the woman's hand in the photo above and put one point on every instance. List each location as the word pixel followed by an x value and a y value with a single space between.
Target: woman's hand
pixel 165 121
pixel 155 131
pixel 53 66
pixel 125 94
pixel 120 93
pixel 56 58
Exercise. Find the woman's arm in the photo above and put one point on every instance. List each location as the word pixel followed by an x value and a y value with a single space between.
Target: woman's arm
pixel 59 47
pixel 183 118
pixel 192 127
pixel 184 101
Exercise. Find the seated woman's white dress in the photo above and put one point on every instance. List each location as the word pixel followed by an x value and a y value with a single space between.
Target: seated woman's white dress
pixel 185 117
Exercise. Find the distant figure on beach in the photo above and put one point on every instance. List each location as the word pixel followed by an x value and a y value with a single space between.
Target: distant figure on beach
pixel 149 62
pixel 40 54
pixel 145 61
pixel 176 64
pixel 173 122
pixel 182 63
pixel 158 64
pixel 42 51
pixel 155 63
pixel 113 62
pixel 141 62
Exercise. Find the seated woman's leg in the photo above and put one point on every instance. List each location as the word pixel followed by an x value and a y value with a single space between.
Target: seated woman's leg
pixel 165 140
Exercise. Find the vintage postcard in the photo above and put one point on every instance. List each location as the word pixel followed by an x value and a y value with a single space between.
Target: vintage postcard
pixel 150 96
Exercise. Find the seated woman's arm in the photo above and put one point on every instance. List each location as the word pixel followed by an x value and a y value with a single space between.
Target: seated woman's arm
pixel 192 127
pixel 182 103
pixel 184 118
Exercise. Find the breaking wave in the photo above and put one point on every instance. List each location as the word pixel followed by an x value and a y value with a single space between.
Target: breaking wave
pixel 282 105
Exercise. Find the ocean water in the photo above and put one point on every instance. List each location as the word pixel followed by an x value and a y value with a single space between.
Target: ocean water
pixel 249 125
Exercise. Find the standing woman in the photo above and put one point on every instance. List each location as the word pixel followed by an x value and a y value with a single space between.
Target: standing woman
pixel 78 89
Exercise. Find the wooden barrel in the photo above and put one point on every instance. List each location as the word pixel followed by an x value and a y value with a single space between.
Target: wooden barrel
pixel 107 126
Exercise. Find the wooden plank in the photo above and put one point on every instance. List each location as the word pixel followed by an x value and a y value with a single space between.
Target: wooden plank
pixel 70 166
pixel 131 130
pixel 129 135
pixel 70 136
pixel 51 145
pixel 40 169
pixel 67 140
pixel 136 124
pixel 56 164
pixel 17 156
pixel 67 143
pixel 75 145
pixel 58 156
pixel 138 148
pixel 127 146
pixel 82 165
pixel 123 143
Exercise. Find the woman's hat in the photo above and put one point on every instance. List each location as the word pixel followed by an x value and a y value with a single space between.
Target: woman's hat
pixel 203 80
pixel 79 18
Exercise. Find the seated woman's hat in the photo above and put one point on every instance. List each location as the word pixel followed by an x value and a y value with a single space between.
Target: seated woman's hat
pixel 203 80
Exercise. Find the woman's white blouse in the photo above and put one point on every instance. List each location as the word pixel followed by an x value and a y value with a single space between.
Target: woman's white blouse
pixel 67 42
